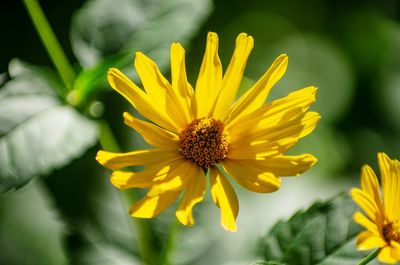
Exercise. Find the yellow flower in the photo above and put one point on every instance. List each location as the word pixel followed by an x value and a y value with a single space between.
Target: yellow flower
pixel 194 130
pixel 382 222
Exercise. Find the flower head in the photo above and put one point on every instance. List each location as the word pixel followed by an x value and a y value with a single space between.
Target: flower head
pixel 382 220
pixel 194 130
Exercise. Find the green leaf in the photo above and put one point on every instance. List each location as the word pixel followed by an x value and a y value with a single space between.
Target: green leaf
pixel 38 133
pixel 31 230
pixel 105 254
pixel 18 67
pixel 90 79
pixel 324 234
pixel 105 27
pixel 106 33
pixel 99 225
pixel 268 263
pixel 3 78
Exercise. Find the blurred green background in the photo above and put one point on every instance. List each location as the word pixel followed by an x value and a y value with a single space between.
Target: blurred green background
pixel 349 49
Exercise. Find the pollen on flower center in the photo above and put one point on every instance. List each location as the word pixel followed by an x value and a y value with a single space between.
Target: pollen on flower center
pixel 391 231
pixel 205 141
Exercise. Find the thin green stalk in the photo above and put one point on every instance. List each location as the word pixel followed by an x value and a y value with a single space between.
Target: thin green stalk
pixel 170 242
pixel 141 227
pixel 51 43
pixel 107 139
pixel 370 257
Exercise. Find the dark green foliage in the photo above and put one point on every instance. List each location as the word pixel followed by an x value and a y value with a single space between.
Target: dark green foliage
pixel 107 33
pixel 324 234
pixel 98 225
pixel 38 133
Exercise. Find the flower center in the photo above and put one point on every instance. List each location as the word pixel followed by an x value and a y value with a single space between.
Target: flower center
pixel 391 231
pixel 205 141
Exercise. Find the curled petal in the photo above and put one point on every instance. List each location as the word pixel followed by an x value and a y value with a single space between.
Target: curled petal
pixel 225 198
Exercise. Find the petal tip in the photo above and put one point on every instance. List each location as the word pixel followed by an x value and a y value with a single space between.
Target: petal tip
pixel 244 37
pixel 176 45
pixel 312 160
pixel 98 155
pixel 127 116
pixel 212 36
pixel 111 74
pixel 230 227
pixel 115 182
pixel 102 157
pixel 283 57
pixel 184 219
pixel 138 54
pixel 112 70
pixel 382 156
pixel 354 192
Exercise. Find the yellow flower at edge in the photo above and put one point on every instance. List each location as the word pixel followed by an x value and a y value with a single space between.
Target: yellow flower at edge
pixel 382 220
pixel 194 130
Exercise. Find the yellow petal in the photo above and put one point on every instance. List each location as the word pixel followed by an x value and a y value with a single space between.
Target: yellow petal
pixel 159 89
pixel 251 178
pixel 395 251
pixel 360 219
pixel 259 150
pixel 367 240
pixel 233 76
pixel 283 165
pixel 182 89
pixel 194 194
pixel 146 178
pixel 366 203
pixel 225 198
pixel 385 255
pixel 125 180
pixel 149 207
pixel 390 172
pixel 209 79
pixel 370 184
pixel 152 134
pixel 120 179
pixel 296 128
pixel 135 158
pixel 272 114
pixel 140 100
pixel 153 81
pixel 177 178
pixel 256 95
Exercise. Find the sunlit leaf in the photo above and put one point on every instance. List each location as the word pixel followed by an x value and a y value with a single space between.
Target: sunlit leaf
pixel 106 254
pixel 3 78
pixel 324 234
pixel 106 33
pixel 17 67
pixel 31 230
pixel 38 133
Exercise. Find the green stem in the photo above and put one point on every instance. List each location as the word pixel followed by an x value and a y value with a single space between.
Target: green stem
pixel 107 139
pixel 370 257
pixel 170 242
pixel 141 227
pixel 50 41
